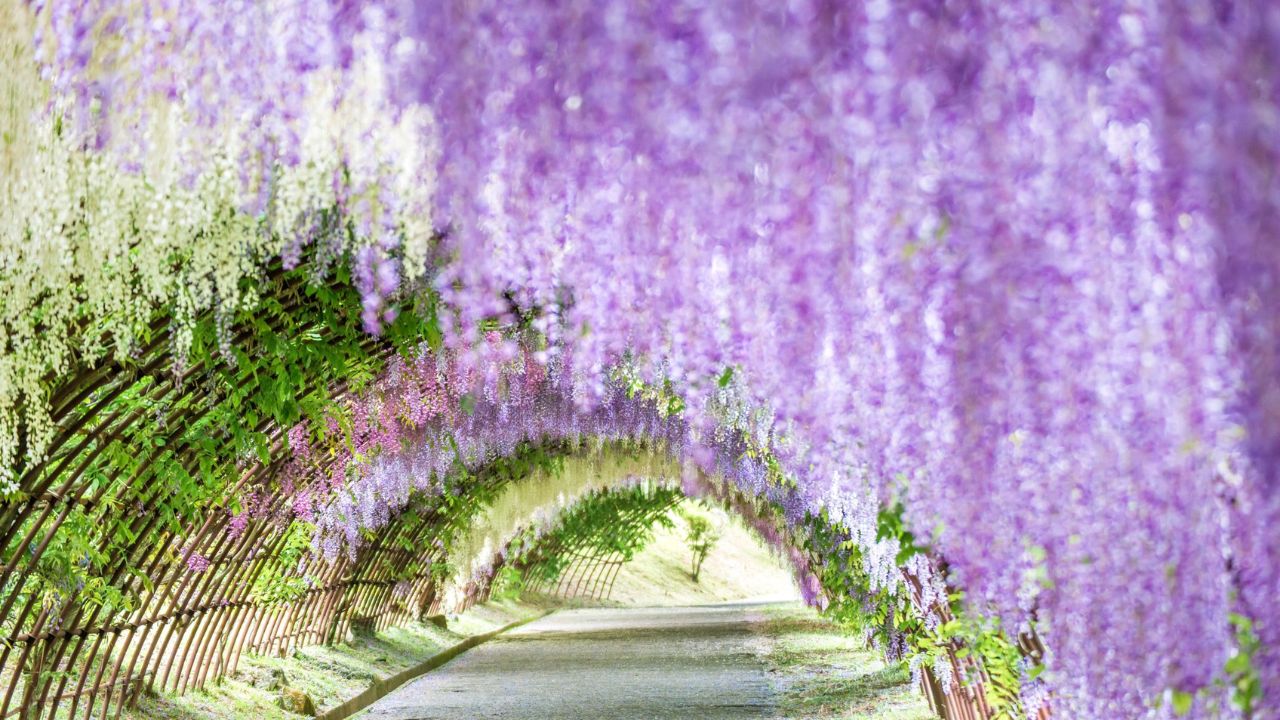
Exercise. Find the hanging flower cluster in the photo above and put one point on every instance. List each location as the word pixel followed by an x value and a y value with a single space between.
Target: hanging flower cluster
pixel 159 155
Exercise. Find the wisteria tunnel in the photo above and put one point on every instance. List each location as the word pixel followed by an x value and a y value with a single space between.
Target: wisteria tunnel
pixel 325 316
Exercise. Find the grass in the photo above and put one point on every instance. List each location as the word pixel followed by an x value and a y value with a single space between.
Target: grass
pixel 738 567
pixel 329 675
pixel 827 673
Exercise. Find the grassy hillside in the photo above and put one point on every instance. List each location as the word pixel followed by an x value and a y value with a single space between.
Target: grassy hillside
pixel 739 567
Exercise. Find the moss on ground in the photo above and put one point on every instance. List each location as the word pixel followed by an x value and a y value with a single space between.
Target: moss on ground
pixel 827 673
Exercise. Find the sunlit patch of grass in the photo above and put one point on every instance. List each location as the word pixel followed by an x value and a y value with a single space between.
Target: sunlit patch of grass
pixel 740 566
pixel 827 673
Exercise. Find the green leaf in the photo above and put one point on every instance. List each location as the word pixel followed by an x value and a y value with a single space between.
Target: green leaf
pixel 1240 621
pixel 726 377
pixel 1182 702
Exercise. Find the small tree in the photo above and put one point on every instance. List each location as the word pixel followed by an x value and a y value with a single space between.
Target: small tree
pixel 701 537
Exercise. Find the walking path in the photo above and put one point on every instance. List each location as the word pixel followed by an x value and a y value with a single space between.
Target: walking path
pixel 595 664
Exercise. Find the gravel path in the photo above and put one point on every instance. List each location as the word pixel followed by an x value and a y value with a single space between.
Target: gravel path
pixel 693 662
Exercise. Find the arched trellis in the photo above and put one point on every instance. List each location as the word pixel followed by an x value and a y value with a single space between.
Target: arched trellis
pixel 593 569
pixel 148 464
pixel 583 559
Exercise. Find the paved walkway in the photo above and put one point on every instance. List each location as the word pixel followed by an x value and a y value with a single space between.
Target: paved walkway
pixel 696 662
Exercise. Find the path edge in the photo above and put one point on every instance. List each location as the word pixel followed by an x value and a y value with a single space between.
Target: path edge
pixel 383 687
